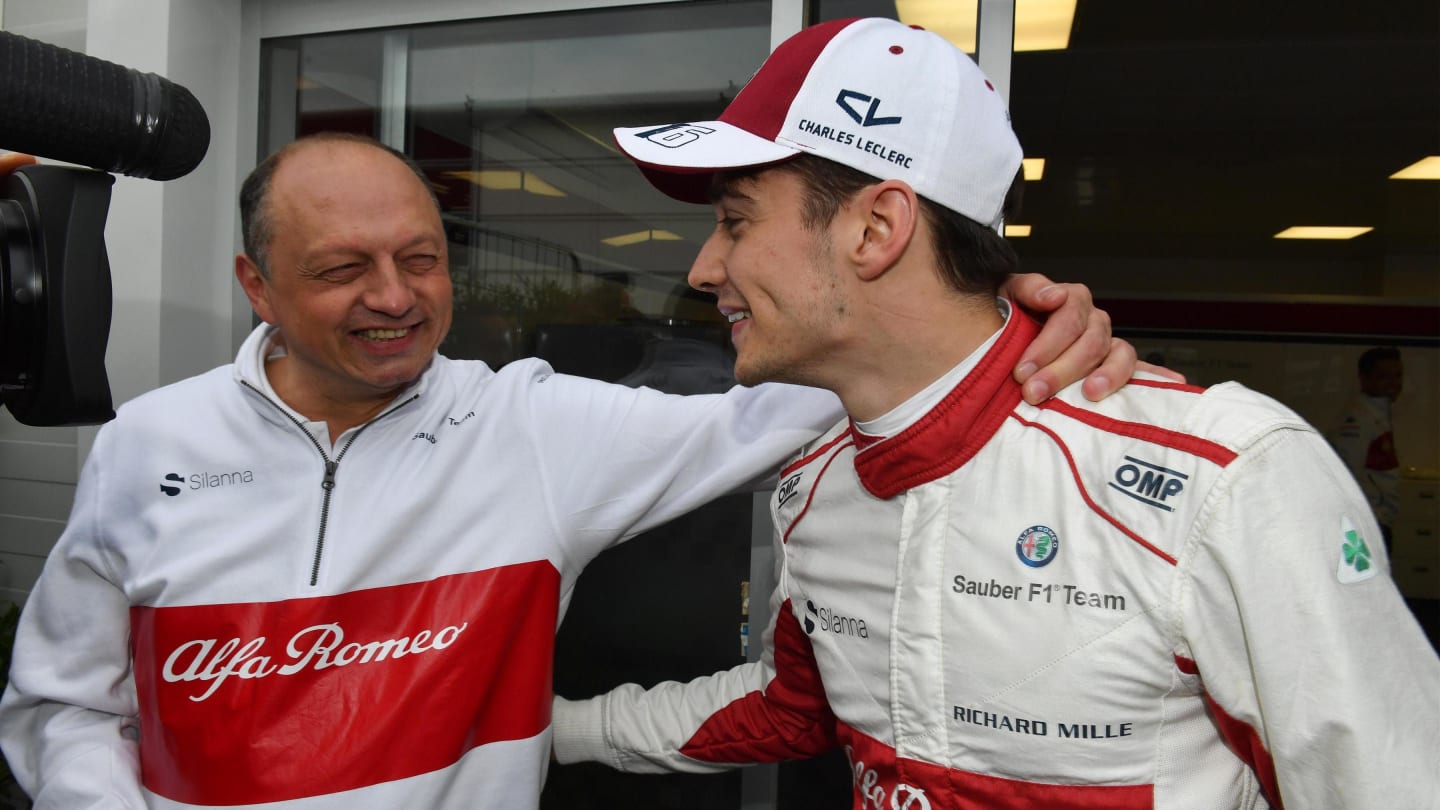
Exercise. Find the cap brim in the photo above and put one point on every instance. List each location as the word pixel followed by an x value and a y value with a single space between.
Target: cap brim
pixel 680 159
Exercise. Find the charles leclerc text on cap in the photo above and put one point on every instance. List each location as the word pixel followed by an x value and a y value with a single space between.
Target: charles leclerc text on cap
pixel 887 99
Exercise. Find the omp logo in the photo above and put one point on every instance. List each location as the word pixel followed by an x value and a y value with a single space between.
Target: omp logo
pixel 846 100
pixel 675 136
pixel 1148 483
pixel 172 491
pixel 788 488
pixel 831 622
pixel 206 480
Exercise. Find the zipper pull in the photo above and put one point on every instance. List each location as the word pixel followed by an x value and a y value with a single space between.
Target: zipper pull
pixel 329 482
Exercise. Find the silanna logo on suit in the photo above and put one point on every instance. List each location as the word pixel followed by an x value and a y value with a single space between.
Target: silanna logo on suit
pixel 204 480
pixel 832 622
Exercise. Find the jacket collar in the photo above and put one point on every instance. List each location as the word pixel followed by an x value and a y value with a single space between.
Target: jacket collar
pixel 249 373
pixel 955 429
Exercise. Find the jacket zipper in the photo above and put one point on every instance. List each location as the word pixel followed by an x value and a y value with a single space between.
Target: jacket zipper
pixel 331 467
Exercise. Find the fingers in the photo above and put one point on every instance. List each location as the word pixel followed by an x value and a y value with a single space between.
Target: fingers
pixel 1168 373
pixel 1073 342
pixel 1076 360
pixel 1037 294
pixel 1116 370
pixel 10 161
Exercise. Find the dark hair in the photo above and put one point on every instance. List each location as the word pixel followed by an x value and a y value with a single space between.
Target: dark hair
pixel 255 226
pixel 973 258
pixel 1373 357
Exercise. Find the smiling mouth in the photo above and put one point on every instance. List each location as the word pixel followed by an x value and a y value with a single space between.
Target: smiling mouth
pixel 736 317
pixel 382 334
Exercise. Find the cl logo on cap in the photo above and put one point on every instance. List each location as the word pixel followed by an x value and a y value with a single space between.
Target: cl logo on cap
pixel 675 136
pixel 869 119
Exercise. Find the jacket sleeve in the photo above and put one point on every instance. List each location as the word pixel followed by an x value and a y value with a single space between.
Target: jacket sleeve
pixel 67 719
pixel 770 710
pixel 1315 670
pixel 619 461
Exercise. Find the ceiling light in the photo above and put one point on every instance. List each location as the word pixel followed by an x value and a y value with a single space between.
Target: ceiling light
pixel 533 184
pixel 954 21
pixel 1426 168
pixel 1034 168
pixel 1043 25
pixel 1040 25
pixel 509 180
pixel 1017 230
pixel 1322 232
pixel 641 236
pixel 493 179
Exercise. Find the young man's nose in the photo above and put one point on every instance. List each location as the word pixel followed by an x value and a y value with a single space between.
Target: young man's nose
pixel 708 272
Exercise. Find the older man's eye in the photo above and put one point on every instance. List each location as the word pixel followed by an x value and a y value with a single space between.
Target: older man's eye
pixel 420 262
pixel 342 272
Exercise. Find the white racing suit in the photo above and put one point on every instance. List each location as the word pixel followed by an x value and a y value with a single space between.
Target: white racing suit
pixel 1174 599
pixel 240 614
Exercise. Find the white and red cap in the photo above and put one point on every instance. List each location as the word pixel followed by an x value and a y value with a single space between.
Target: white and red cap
pixel 884 98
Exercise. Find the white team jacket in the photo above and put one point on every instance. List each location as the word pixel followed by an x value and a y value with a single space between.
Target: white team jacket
pixel 1172 599
pixel 238 614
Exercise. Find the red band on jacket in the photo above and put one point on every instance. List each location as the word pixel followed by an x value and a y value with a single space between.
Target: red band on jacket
pixel 272 701
pixel 1244 740
pixel 1173 386
pixel 816 453
pixel 1217 454
pixel 789 719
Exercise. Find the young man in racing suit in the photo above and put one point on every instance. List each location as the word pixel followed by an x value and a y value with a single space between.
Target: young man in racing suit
pixel 329 575
pixel 1173 599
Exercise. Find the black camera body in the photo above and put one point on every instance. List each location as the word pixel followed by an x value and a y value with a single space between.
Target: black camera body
pixel 55 296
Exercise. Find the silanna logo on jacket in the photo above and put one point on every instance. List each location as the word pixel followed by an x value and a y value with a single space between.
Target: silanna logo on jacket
pixel 827 620
pixel 173 482
pixel 247 703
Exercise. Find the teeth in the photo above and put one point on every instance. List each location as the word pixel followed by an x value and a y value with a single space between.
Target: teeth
pixel 736 317
pixel 383 334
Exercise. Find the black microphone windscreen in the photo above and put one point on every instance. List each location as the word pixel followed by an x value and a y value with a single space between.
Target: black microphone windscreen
pixel 65 105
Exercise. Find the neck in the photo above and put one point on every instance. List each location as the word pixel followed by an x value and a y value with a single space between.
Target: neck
pixel 339 412
pixel 911 348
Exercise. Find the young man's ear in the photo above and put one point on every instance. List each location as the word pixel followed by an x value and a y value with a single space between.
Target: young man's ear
pixel 255 285
pixel 891 215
